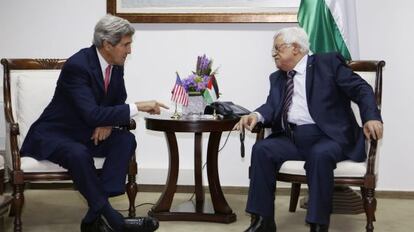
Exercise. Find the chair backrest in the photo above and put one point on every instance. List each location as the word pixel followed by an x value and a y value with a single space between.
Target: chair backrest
pixel 28 86
pixel 371 71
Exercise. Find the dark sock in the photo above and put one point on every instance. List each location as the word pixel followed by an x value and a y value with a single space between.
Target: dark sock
pixel 90 216
pixel 113 217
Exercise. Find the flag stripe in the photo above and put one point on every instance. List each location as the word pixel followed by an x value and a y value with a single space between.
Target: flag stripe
pixel 179 94
pixel 344 14
pixel 209 93
pixel 327 26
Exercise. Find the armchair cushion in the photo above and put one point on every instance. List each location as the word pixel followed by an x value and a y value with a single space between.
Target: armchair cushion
pixel 345 168
pixel 34 91
pixel 32 165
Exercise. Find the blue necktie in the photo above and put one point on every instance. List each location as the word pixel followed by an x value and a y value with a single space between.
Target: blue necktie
pixel 287 101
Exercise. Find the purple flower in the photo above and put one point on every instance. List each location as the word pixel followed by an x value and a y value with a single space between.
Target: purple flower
pixel 197 81
pixel 203 66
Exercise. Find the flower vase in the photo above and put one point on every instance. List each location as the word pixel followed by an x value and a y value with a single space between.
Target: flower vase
pixel 196 104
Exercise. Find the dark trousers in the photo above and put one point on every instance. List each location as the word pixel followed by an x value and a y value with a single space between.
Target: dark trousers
pixel 77 158
pixel 320 154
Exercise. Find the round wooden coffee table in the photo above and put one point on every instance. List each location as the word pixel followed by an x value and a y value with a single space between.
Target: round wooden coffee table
pixel 218 209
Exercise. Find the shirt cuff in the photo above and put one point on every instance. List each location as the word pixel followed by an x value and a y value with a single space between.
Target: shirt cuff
pixel 133 111
pixel 259 117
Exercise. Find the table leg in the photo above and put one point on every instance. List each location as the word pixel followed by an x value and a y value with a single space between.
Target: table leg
pixel 219 202
pixel 165 201
pixel 198 176
pixel 220 212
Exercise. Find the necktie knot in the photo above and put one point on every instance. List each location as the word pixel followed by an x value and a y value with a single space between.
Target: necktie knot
pixel 291 73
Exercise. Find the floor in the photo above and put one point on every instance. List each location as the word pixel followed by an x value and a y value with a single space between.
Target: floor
pixel 62 210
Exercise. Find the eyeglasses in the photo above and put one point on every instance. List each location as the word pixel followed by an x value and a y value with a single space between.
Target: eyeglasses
pixel 277 49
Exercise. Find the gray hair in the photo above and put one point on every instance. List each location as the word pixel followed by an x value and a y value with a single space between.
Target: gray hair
pixel 295 35
pixel 111 29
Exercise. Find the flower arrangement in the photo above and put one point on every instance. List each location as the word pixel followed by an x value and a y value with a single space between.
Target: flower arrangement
pixel 197 82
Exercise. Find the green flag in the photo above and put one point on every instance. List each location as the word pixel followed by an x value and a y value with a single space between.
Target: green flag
pixel 331 26
pixel 210 94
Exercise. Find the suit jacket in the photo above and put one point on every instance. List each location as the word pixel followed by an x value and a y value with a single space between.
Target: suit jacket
pixel 330 87
pixel 78 106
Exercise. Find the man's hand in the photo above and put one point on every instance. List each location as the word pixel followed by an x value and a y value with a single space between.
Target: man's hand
pixel 151 107
pixel 100 134
pixel 373 129
pixel 246 121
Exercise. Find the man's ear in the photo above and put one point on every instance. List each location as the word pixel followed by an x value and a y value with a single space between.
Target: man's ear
pixel 296 48
pixel 106 45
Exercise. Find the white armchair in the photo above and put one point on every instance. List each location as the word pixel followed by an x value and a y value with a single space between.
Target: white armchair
pixel 28 87
pixel 349 173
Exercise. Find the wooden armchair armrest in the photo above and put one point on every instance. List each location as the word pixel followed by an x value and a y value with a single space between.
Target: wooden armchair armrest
pixel 13 131
pixel 131 126
pixel 372 155
pixel 259 129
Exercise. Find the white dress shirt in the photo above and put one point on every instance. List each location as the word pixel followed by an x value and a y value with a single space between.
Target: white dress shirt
pixel 132 107
pixel 299 112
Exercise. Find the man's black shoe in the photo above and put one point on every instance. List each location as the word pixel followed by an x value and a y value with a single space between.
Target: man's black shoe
pixel 103 226
pixel 99 225
pixel 90 227
pixel 141 224
pixel 318 227
pixel 260 224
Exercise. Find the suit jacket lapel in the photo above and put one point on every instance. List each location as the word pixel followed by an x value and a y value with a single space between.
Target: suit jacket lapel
pixel 281 85
pixel 309 78
pixel 96 67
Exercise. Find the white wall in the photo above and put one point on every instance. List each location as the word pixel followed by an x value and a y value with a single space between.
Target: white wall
pixel 386 32
pixel 48 28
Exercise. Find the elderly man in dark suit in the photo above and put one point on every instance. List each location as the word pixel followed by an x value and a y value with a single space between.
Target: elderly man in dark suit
pixel 309 110
pixel 81 120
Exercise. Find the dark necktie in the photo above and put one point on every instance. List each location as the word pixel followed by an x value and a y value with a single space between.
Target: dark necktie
pixel 287 101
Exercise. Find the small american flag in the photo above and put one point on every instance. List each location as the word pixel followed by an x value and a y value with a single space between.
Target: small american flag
pixel 179 95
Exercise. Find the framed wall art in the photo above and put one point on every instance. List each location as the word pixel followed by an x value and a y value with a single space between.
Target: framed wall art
pixel 205 11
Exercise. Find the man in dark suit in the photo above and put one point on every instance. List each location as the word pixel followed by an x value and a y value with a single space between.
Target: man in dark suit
pixel 309 110
pixel 80 122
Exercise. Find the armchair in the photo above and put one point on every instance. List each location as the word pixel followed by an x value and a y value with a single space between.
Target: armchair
pixel 28 86
pixel 349 173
